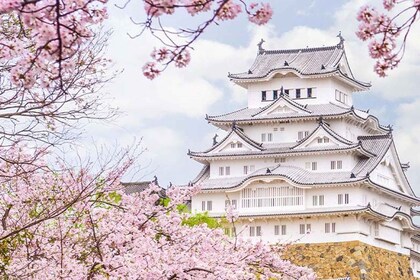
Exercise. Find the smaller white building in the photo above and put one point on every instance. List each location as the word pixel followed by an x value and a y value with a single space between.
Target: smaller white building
pixel 301 164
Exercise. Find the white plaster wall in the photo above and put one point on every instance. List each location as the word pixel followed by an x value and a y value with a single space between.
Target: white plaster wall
pixel 323 90
pixel 218 201
pixel 323 164
pixel 289 135
pixel 348 228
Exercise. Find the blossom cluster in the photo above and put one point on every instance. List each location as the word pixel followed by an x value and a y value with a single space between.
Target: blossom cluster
pixel 41 40
pixel 179 56
pixel 219 10
pixel 383 32
pixel 80 225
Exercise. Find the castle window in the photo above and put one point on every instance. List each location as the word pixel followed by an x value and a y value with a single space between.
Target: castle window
pixel 309 92
pixel 227 169
pixel 269 137
pixel 230 232
pixel 336 164
pixel 278 160
pixel 251 231
pixel 239 145
pixel 304 228
pixel 343 198
pixel 283 230
pixel 221 171
pixel 229 202
pixel 340 96
pixel 255 231
pixel 233 145
pixel 277 230
pixel 321 200
pixel 302 134
pixel 258 230
pixel 286 92
pixel 315 200
pixel 297 93
pixel 275 94
pixel 329 227
pixel 318 200
pixel 263 137
pixel 263 95
pixel 249 169
pixel 206 205
pixel 267 197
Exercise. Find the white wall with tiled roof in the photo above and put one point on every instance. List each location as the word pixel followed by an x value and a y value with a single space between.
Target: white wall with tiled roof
pixel 361 206
pixel 323 90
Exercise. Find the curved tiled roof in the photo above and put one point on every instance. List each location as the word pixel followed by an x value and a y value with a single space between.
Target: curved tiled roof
pixel 305 62
pixel 376 145
pixel 287 100
pixel 240 134
pixel 246 115
pixel 324 126
pixel 289 148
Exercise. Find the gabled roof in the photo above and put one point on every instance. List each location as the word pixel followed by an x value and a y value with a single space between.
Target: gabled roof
pixel 284 100
pixel 377 146
pixel 235 131
pixel 323 127
pixel 338 144
pixel 303 62
pixel 329 110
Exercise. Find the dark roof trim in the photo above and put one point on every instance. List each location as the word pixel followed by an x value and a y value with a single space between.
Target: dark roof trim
pixel 240 134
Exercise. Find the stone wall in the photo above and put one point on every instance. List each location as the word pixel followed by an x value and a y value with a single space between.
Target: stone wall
pixel 333 260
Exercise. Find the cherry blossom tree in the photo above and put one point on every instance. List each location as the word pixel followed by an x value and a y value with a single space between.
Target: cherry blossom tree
pixel 387 31
pixel 61 221
pixel 107 234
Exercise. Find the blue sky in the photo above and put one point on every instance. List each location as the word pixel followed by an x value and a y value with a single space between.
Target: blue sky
pixel 169 111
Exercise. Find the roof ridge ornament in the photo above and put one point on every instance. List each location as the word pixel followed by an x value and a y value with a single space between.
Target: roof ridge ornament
pixel 261 50
pixel 215 139
pixel 340 45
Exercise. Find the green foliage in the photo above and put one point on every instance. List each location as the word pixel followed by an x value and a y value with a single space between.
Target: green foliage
pixel 201 218
pixel 114 197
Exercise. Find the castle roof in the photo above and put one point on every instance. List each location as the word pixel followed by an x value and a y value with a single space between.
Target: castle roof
pixel 285 149
pixel 305 62
pixel 377 146
pixel 327 111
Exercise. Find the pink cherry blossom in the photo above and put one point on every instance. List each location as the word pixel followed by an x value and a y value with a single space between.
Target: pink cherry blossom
pixel 156 8
pixel 197 6
pixel 182 59
pixel 229 10
pixel 150 71
pixel 161 54
pixel 389 4
pixel 262 15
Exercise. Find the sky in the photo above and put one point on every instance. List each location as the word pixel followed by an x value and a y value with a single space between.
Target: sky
pixel 167 114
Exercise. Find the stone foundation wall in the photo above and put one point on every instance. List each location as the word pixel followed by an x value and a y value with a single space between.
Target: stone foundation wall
pixel 333 260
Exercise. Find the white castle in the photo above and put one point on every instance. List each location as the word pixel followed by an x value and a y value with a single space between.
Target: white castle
pixel 300 163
